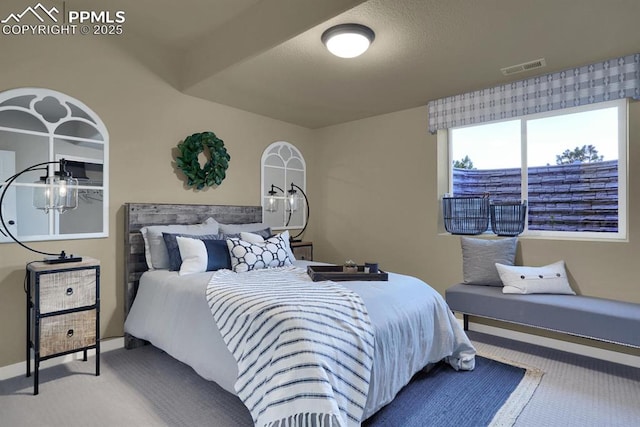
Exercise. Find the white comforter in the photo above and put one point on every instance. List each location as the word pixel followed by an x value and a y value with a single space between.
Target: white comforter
pixel 413 327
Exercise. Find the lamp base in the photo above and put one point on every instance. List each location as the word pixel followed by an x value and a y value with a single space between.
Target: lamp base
pixel 62 260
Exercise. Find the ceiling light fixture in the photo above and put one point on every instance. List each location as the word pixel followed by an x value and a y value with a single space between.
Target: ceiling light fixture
pixel 348 40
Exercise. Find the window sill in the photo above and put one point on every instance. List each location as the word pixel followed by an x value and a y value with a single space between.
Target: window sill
pixel 527 236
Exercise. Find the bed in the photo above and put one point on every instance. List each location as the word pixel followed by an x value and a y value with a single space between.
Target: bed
pixel 413 326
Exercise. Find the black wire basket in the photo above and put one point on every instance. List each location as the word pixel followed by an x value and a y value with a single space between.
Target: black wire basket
pixel 466 215
pixel 507 218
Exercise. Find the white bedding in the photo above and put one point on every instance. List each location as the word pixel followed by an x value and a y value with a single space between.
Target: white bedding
pixel 413 327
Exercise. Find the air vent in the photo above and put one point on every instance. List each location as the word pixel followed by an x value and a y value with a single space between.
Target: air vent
pixel 527 66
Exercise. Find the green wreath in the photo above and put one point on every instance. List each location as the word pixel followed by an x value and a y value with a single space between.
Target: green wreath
pixel 214 171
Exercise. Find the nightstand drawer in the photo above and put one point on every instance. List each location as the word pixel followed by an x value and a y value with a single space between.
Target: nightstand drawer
pixel 302 250
pixel 67 332
pixel 67 289
pixel 303 253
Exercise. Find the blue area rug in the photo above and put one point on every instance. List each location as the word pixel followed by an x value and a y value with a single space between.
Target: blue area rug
pixel 445 397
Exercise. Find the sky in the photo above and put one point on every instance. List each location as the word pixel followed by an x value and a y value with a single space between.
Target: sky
pixel 497 145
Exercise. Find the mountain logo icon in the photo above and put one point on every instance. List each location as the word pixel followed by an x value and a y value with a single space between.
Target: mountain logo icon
pixel 38 11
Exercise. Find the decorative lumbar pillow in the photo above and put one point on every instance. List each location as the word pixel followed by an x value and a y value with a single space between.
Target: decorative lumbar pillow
pixel 155 249
pixel 170 241
pixel 256 238
pixel 199 255
pixel 479 258
pixel 550 279
pixel 246 256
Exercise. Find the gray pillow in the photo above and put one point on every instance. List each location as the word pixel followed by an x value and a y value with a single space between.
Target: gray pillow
pixel 155 249
pixel 253 227
pixel 479 258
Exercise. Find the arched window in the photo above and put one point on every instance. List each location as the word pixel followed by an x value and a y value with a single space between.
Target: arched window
pixel 282 165
pixel 39 125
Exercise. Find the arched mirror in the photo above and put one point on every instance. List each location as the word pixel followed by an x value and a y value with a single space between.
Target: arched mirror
pixel 282 165
pixel 41 125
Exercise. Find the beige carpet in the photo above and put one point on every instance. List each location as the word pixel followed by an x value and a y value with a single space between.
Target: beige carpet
pixel 520 397
pixel 159 391
pixel 575 391
pixel 146 387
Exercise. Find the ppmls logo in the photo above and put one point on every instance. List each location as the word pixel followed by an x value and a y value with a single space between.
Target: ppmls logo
pixel 33 11
pixel 52 22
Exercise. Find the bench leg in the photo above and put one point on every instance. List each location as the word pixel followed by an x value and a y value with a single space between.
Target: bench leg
pixel 465 322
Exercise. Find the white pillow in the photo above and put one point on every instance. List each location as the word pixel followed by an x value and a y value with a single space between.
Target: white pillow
pixel 193 254
pixel 550 279
pixel 256 238
pixel 155 250
pixel 199 255
pixel 251 237
pixel 246 256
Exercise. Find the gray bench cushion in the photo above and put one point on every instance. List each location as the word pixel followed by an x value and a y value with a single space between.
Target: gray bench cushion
pixel 598 318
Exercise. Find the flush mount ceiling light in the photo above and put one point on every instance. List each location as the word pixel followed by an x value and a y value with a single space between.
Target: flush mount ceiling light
pixel 348 40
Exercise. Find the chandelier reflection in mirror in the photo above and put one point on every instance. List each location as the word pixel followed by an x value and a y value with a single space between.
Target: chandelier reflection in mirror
pixel 57 191
pixel 292 203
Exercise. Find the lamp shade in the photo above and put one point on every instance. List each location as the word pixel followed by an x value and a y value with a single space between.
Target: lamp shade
pixel 58 193
pixel 292 200
pixel 348 40
pixel 272 203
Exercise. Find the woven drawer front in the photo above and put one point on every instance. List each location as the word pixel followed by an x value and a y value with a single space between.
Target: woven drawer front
pixel 67 289
pixel 67 332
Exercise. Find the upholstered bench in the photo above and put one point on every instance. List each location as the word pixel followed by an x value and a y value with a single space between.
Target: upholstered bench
pixel 596 318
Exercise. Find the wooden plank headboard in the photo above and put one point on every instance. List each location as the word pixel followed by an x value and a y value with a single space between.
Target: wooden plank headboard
pixel 138 215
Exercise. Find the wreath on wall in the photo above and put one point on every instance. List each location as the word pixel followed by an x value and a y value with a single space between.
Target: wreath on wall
pixel 214 170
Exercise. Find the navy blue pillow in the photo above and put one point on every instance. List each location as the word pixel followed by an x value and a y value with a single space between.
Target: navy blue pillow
pixel 175 260
pixel 217 254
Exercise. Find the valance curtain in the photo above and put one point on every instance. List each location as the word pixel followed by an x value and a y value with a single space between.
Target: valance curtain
pixel 603 81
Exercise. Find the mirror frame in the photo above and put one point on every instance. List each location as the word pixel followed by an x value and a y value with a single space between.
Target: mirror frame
pixel 285 154
pixel 73 111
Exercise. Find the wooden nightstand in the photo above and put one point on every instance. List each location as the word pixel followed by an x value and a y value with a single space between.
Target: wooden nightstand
pixel 63 311
pixel 302 250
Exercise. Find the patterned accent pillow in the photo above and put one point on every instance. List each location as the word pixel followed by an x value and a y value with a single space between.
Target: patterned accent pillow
pixel 246 256
pixel 479 258
pixel 550 279
pixel 257 238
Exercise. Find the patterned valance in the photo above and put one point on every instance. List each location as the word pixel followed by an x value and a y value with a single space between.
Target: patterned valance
pixel 603 81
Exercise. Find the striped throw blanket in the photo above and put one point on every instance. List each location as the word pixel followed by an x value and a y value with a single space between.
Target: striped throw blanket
pixel 304 349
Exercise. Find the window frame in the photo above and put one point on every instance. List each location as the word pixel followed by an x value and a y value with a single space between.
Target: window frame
pixel 445 175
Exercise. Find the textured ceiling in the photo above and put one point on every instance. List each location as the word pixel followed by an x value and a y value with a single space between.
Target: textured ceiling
pixel 265 56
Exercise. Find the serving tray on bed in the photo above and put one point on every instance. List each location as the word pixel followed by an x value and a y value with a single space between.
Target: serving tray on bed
pixel 335 273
